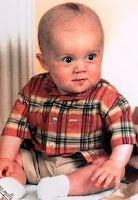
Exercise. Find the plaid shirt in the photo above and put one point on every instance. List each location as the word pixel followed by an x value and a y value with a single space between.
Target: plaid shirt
pixel 89 123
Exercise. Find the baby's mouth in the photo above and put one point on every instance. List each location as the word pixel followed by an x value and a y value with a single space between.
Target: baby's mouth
pixel 80 81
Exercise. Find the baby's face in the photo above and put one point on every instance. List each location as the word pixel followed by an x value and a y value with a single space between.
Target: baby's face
pixel 74 59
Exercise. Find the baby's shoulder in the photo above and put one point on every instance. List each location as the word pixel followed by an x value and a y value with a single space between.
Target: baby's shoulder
pixel 106 89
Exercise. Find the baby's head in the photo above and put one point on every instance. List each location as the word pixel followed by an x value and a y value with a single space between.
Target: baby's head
pixel 71 40
pixel 66 16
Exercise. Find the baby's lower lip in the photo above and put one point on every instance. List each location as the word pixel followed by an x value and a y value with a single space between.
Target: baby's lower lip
pixel 81 81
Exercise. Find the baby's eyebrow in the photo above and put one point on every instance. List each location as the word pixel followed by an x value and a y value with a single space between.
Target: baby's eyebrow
pixel 64 54
pixel 94 51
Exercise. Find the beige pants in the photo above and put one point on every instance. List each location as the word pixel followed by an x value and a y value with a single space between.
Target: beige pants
pixel 37 165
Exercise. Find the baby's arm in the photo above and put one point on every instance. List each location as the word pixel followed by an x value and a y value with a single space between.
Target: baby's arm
pixel 113 168
pixel 9 147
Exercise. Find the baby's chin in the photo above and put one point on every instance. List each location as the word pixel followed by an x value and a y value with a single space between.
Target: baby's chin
pixel 77 86
pixel 74 92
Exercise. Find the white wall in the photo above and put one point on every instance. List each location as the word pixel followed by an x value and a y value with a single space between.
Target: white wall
pixel 120 63
pixel 120 22
pixel 16 41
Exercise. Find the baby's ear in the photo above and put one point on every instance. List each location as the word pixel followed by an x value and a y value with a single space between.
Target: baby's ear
pixel 41 60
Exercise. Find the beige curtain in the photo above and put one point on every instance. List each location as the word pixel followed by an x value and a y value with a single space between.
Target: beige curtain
pixel 16 51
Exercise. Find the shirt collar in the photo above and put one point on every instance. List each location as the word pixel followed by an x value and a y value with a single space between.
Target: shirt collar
pixel 51 88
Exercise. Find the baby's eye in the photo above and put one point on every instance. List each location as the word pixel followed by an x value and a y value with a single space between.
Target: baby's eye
pixel 91 56
pixel 68 59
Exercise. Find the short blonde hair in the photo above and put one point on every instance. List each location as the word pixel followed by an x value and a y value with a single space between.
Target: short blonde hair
pixel 64 13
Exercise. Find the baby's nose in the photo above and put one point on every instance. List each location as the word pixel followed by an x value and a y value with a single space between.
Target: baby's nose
pixel 80 67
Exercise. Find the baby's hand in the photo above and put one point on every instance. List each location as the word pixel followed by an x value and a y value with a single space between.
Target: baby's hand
pixel 110 172
pixel 6 167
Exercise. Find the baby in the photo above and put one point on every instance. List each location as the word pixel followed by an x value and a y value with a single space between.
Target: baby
pixel 70 131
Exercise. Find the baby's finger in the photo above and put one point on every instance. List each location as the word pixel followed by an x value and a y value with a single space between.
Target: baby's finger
pixel 108 181
pixel 117 182
pixel 96 174
pixel 9 170
pixel 101 179
pixel 2 170
pixel 0 173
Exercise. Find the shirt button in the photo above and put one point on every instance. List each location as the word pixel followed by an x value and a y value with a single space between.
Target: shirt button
pixel 54 119
pixel 51 144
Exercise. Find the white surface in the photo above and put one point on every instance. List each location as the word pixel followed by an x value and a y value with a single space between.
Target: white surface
pixel 31 194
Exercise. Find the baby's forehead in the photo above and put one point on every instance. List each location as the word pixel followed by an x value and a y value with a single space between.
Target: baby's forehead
pixel 71 22
pixel 74 26
pixel 76 23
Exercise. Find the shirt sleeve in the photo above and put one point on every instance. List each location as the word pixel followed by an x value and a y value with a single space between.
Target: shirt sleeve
pixel 17 124
pixel 120 125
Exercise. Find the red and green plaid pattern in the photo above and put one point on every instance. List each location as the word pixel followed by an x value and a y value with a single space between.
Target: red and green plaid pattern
pixel 90 123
